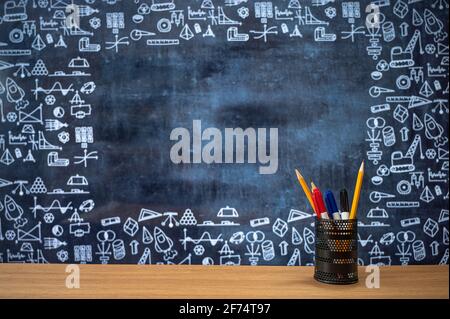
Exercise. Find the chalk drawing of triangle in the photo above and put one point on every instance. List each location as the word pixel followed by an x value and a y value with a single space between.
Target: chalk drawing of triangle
pixel 5 65
pixel 4 182
pixel 297 215
pixel 147 214
pixel 186 261
pixel 443 217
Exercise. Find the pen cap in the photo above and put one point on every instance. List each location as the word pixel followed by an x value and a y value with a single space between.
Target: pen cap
pixel 343 198
pixel 336 216
pixel 324 215
pixel 336 251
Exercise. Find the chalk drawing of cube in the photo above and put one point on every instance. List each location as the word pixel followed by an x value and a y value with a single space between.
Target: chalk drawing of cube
pixel 430 227
pixel 401 113
pixel 400 9
pixel 131 226
pixel 280 227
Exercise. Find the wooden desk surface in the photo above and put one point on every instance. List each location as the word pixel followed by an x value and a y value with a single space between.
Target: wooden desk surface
pixel 183 281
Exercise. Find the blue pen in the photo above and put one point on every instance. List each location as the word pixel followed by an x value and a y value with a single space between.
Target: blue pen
pixel 331 205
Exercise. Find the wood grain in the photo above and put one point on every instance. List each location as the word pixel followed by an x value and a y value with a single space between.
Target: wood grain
pixel 183 281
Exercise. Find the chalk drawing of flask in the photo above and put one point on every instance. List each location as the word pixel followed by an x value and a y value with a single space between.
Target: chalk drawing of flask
pixel 268 250
pixel 118 249
pixel 388 136
pixel 388 31
pixel 418 250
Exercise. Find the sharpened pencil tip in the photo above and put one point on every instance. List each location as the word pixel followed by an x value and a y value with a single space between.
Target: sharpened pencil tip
pixel 361 168
pixel 313 186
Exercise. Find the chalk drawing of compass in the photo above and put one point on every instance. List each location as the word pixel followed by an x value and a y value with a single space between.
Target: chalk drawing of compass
pixel 376 197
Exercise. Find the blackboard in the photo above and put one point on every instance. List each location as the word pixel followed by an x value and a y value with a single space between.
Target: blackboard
pixel 92 91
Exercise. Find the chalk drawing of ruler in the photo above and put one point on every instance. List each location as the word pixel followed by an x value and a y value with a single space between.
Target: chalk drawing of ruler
pixel 402 204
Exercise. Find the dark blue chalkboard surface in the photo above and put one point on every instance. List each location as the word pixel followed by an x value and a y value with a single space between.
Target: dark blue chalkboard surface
pixel 117 123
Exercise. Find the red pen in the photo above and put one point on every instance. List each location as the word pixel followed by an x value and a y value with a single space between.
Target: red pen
pixel 315 205
pixel 318 199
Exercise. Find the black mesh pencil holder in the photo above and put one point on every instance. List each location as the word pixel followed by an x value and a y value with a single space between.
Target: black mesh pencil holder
pixel 336 259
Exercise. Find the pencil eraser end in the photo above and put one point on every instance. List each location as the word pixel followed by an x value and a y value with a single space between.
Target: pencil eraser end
pixel 336 216
pixel 345 215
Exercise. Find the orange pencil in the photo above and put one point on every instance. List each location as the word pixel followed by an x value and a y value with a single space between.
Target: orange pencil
pixel 306 190
pixel 357 191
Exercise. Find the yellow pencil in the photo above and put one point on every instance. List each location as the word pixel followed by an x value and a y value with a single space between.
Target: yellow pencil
pixel 357 192
pixel 305 187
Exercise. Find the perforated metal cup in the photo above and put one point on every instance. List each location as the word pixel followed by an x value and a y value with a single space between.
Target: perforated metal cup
pixel 336 259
